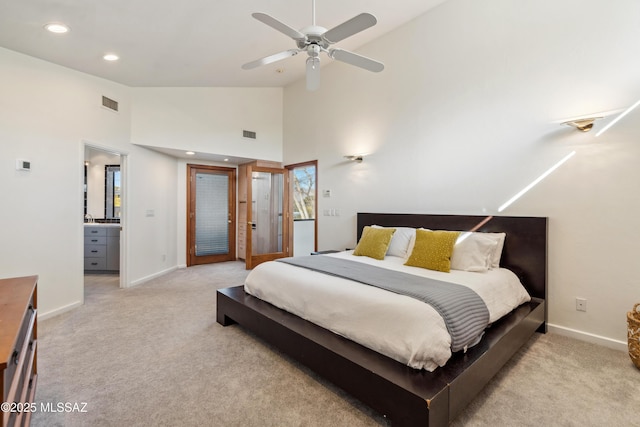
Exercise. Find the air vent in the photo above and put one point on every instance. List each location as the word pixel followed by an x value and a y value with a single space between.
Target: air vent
pixel 249 134
pixel 109 103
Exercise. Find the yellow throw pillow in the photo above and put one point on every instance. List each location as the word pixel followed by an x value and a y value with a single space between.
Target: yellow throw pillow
pixel 433 250
pixel 374 242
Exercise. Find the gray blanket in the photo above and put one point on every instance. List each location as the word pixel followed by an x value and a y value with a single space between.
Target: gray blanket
pixel 464 312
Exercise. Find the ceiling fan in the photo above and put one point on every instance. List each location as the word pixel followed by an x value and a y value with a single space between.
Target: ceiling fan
pixel 315 39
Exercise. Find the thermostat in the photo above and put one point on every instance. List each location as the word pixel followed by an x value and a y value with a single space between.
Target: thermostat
pixel 23 165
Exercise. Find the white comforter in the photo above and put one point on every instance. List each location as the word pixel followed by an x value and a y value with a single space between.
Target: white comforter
pixel 400 327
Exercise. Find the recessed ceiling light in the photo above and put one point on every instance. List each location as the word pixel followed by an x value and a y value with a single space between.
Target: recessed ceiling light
pixel 111 57
pixel 226 160
pixel 56 27
pixel 190 153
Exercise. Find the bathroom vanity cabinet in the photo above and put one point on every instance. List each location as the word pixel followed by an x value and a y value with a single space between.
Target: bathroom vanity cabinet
pixel 102 247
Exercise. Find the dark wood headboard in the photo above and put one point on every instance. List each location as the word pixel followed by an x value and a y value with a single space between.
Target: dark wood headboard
pixel 525 248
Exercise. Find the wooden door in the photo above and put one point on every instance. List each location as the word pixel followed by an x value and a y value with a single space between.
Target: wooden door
pixel 211 212
pixel 267 215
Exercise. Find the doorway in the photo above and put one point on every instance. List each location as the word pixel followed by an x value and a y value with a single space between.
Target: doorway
pixel 267 215
pixel 303 196
pixel 211 213
pixel 104 200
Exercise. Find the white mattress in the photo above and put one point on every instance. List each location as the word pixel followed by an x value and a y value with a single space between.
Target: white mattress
pixel 400 327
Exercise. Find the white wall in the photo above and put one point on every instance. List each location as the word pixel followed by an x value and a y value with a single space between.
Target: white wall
pixel 207 120
pixel 210 120
pixel 47 115
pixel 152 201
pixel 465 115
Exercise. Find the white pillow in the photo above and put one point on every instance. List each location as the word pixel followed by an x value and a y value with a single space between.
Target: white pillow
pixel 400 241
pixel 497 253
pixel 473 252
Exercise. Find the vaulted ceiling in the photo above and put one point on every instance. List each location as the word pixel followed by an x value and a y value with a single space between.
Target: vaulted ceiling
pixel 188 43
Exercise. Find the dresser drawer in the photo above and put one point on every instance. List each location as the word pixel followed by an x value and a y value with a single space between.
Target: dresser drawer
pixel 95 263
pixel 26 333
pixel 95 231
pixel 95 240
pixel 18 346
pixel 20 367
pixel 95 251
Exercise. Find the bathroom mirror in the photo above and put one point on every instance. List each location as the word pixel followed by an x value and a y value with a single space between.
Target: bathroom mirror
pixel 112 191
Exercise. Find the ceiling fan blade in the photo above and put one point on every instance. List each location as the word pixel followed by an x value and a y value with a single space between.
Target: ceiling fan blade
pixel 280 26
pixel 313 73
pixel 350 27
pixel 357 60
pixel 271 58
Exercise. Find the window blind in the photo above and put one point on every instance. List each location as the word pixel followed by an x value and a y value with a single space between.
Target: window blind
pixel 212 214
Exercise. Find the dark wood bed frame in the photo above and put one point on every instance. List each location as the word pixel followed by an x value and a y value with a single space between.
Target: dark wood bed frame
pixel 410 397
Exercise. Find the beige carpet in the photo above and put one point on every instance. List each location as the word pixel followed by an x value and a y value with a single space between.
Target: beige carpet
pixel 154 355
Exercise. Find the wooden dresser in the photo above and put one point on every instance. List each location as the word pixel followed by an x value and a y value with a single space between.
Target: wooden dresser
pixel 18 341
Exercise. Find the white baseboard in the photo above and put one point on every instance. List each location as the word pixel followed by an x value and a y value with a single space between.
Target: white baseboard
pixel 585 336
pixel 57 311
pixel 182 266
pixel 151 277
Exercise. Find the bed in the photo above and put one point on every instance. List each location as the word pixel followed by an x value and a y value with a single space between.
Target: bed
pixel 405 395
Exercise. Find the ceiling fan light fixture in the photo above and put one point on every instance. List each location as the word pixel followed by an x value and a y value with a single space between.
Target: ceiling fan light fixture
pixel 313 50
pixel 313 73
pixel 313 62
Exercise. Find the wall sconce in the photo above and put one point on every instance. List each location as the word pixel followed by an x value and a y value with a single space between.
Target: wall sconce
pixel 355 158
pixel 583 125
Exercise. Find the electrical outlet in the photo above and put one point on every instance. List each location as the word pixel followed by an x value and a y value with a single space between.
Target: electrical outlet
pixel 581 304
